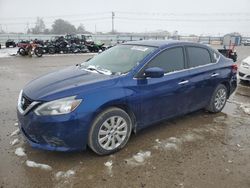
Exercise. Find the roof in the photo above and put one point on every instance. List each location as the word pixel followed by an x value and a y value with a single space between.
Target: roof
pixel 156 43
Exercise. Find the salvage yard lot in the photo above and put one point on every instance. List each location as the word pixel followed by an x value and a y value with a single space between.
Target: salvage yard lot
pixel 197 150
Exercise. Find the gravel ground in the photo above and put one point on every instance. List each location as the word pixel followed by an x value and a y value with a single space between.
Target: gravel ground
pixel 196 150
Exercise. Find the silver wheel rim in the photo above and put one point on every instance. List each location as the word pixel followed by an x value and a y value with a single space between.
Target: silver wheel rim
pixel 112 132
pixel 220 99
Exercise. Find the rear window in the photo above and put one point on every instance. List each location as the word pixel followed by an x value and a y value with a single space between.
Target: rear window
pixel 198 56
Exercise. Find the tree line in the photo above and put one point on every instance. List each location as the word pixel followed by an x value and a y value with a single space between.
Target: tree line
pixel 59 26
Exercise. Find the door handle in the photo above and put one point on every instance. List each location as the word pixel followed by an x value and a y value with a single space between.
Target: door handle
pixel 215 74
pixel 183 82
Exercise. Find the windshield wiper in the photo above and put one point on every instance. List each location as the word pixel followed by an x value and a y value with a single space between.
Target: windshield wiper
pixel 101 71
pixel 94 69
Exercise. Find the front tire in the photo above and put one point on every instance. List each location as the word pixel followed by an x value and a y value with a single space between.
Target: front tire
pixel 218 99
pixel 110 131
pixel 22 51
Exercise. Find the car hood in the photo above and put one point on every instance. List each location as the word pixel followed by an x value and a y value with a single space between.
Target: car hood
pixel 66 82
pixel 246 60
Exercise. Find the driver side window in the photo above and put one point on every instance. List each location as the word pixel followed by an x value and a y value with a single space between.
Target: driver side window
pixel 169 60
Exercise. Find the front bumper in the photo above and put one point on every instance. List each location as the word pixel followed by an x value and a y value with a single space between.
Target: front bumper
pixel 56 133
pixel 244 73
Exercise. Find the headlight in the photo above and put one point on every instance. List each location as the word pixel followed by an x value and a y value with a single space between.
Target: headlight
pixel 58 107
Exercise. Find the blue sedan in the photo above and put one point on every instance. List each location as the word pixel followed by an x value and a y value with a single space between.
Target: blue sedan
pixel 100 102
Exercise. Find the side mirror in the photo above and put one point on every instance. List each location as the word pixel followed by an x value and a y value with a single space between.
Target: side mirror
pixel 154 72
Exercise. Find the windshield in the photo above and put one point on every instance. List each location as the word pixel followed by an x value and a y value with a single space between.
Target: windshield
pixel 119 59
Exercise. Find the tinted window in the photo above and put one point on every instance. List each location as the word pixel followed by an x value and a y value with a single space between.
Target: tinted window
pixel 198 56
pixel 169 60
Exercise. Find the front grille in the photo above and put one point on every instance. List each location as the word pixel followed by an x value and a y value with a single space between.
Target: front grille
pixel 25 102
pixel 241 74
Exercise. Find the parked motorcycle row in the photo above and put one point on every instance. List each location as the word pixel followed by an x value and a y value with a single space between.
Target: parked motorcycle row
pixel 58 45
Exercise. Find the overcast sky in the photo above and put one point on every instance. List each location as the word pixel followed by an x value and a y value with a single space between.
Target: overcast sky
pixel 210 17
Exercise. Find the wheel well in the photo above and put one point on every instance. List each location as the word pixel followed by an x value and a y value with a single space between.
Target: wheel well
pixel 227 86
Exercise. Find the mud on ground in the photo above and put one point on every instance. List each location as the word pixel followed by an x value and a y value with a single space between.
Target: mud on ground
pixel 197 150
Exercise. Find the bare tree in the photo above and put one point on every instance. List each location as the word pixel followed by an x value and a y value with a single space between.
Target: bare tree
pixel 39 26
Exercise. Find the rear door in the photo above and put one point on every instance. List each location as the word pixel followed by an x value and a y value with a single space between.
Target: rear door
pixel 203 75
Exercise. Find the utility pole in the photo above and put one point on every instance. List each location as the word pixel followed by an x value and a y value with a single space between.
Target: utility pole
pixel 113 27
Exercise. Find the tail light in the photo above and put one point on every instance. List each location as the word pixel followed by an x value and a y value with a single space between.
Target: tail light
pixel 234 68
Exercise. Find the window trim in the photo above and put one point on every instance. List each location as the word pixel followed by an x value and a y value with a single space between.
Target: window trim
pixel 135 77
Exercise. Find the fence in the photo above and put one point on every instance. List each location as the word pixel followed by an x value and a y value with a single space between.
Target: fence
pixel 110 39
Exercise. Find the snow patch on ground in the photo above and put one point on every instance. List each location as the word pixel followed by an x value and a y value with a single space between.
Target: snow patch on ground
pixel 7 52
pixel 245 108
pixel 33 164
pixel 168 144
pixel 14 142
pixel 109 166
pixel 190 137
pixel 16 132
pixel 20 152
pixel 139 158
pixel 16 124
pixel 64 175
pixel 174 143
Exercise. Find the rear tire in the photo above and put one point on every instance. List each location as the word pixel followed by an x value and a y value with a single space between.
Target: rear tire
pixel 110 131
pixel 218 99
pixel 38 52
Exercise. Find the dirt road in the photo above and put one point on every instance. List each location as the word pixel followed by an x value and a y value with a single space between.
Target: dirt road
pixel 197 150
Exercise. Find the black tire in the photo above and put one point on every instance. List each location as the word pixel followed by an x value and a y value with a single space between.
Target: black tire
pixel 38 52
pixel 98 125
pixel 52 50
pixel 22 51
pixel 213 106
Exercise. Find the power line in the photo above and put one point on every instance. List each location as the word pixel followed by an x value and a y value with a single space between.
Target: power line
pixel 182 20
pixel 57 16
pixel 186 14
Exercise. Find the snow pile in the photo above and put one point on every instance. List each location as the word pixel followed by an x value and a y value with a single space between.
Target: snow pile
pixel 139 158
pixel 20 152
pixel 33 164
pixel 16 124
pixel 59 175
pixel 168 144
pixel 245 108
pixel 109 166
pixel 14 142
pixel 16 132
pixel 7 52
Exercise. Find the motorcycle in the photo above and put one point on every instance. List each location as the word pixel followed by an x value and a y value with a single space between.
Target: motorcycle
pixel 78 48
pixel 59 47
pixel 95 47
pixel 30 49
